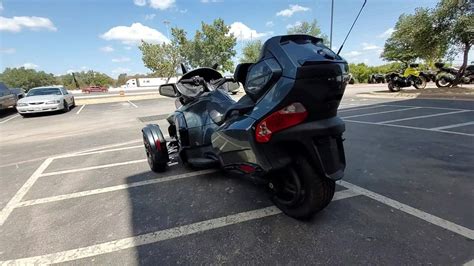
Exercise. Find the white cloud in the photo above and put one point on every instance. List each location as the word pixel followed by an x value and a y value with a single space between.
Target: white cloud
pixel 139 2
pixel 150 16
pixel 127 47
pixel 1 6
pixel 29 66
pixel 161 4
pixel 183 11
pixel 243 32
pixel 386 33
pixel 292 10
pixel 16 24
pixel 269 24
pixel 369 46
pixel 352 54
pixel 121 70
pixel 70 71
pixel 120 59
pixel 107 49
pixel 210 1
pixel 134 34
pixel 7 50
pixel 297 23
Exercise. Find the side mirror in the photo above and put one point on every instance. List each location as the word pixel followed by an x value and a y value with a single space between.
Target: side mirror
pixel 241 70
pixel 169 90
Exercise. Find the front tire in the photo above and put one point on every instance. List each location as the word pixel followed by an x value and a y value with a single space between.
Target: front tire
pixel 301 192
pixel 73 103
pixel 66 107
pixel 420 83
pixel 392 87
pixel 442 83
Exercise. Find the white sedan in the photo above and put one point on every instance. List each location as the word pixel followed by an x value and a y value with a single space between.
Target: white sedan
pixel 45 99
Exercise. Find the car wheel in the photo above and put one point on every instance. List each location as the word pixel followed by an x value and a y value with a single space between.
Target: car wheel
pixel 25 115
pixel 73 103
pixel 65 107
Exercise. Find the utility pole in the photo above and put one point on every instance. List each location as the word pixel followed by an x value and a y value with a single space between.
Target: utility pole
pixel 167 23
pixel 332 19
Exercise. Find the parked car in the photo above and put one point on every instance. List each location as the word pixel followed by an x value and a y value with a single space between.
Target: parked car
pixel 7 97
pixel 19 93
pixel 95 89
pixel 376 78
pixel 45 99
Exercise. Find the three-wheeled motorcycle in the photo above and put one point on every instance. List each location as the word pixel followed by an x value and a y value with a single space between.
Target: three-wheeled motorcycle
pixel 284 132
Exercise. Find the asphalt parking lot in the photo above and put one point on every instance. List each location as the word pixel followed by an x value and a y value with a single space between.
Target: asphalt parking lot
pixel 76 189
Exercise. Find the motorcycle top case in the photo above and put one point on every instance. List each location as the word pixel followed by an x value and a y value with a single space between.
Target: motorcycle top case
pixel 318 75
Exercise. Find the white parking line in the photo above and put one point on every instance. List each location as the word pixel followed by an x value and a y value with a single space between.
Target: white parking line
pixel 134 105
pixel 431 107
pixel 7 210
pixel 455 228
pixel 93 167
pixel 114 188
pixel 409 127
pixel 72 154
pixel 154 237
pixel 10 118
pixel 453 126
pixel 359 108
pixel 80 109
pixel 383 112
pixel 111 150
pixel 423 116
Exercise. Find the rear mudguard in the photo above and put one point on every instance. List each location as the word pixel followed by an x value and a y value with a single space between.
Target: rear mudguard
pixel 153 136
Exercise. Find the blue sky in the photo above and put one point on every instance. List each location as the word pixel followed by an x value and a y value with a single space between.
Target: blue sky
pixel 72 35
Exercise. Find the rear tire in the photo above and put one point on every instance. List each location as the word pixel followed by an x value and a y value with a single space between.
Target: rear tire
pixel 442 83
pixel 314 194
pixel 392 87
pixel 73 103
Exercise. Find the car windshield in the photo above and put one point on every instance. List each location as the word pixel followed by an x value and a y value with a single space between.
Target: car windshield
pixel 44 91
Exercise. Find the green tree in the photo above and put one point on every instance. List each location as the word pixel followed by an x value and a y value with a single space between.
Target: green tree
pixel 310 28
pixel 210 45
pixel 456 20
pixel 121 79
pixel 26 78
pixel 251 52
pixel 162 59
pixel 86 78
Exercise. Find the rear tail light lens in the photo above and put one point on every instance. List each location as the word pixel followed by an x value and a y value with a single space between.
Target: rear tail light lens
pixel 289 116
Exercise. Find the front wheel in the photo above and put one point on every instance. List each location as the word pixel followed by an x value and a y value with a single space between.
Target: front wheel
pixel 420 83
pixel 300 192
pixel 155 148
pixel 442 83
pixel 65 107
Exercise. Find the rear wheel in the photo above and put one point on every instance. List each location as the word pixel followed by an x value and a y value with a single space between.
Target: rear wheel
pixel 73 103
pixel 300 192
pixel 392 87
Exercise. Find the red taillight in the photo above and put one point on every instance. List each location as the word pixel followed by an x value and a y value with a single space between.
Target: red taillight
pixel 289 116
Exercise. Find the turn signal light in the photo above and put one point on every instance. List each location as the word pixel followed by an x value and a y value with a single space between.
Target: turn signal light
pixel 289 116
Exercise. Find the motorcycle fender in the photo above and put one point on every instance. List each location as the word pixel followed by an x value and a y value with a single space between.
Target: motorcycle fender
pixel 154 137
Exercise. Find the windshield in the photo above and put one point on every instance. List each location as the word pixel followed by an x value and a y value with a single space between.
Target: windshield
pixel 44 91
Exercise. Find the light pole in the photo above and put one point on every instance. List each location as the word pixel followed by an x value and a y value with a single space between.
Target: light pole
pixel 167 23
pixel 332 19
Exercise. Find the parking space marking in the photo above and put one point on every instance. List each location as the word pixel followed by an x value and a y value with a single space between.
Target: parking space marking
pixel 409 127
pixel 7 210
pixel 453 126
pixel 423 116
pixel 10 118
pixel 114 188
pixel 134 105
pixel 431 107
pixel 158 236
pixel 383 112
pixel 455 228
pixel 360 108
pixel 105 151
pixel 93 167
pixel 80 109
pixel 72 154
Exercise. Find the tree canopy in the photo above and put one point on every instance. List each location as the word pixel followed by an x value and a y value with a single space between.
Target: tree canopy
pixel 26 78
pixel 212 44
pixel 310 28
pixel 86 78
pixel 251 51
